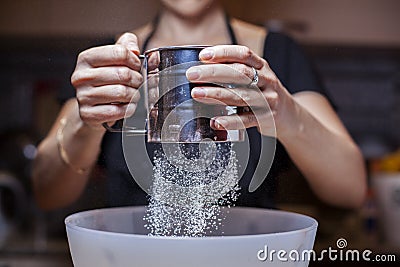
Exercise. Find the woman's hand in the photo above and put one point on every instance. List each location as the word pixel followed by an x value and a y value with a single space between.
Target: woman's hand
pixel 306 124
pixel 106 80
pixel 233 65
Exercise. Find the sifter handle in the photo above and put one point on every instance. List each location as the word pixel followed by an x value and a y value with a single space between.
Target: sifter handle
pixel 118 128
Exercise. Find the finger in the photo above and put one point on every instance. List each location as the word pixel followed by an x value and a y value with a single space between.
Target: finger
pixel 106 76
pixel 130 41
pixel 231 97
pixel 232 53
pixel 153 96
pixel 153 61
pixel 110 55
pixel 263 121
pixel 115 93
pixel 235 121
pixel 106 113
pixel 151 83
pixel 221 73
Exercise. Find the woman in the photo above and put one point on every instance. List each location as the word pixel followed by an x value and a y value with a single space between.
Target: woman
pixel 307 127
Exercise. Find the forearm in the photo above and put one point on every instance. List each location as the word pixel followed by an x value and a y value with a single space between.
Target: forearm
pixel 328 158
pixel 55 182
pixel 106 80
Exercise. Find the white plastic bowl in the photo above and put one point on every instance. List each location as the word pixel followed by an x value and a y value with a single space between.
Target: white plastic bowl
pixel 117 237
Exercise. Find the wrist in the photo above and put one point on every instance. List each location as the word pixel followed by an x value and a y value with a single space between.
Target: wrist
pixel 81 129
pixel 62 151
pixel 78 143
pixel 77 126
pixel 289 121
pixel 84 129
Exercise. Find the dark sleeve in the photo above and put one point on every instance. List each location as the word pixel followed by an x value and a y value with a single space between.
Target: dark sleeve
pixel 290 64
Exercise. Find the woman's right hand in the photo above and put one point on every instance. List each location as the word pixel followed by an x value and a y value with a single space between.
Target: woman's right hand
pixel 106 80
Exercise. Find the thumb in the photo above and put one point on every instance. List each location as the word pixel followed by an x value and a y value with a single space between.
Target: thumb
pixel 130 41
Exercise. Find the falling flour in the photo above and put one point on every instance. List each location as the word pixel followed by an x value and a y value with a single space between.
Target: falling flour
pixel 187 194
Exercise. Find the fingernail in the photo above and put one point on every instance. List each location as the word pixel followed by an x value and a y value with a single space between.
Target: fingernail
pixel 207 54
pixel 220 124
pixel 192 74
pixel 198 92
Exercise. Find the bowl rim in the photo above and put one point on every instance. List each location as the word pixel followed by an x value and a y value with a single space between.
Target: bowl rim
pixel 70 226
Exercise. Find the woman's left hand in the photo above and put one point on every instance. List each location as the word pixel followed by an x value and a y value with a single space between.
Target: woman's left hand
pixel 305 123
pixel 237 67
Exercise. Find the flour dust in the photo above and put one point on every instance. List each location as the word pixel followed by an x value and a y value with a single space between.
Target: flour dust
pixel 188 193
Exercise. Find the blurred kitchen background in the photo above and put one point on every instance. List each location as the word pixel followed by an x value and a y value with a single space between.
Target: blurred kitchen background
pixel 355 46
